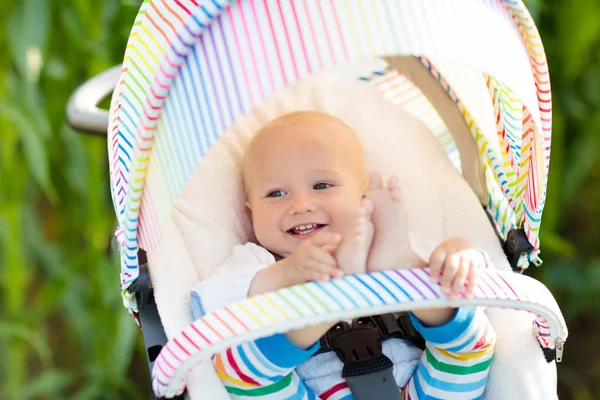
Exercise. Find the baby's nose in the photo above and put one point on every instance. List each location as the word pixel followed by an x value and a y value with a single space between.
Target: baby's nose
pixel 302 205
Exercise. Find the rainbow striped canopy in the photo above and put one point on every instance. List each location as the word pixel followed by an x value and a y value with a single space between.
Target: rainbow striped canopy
pixel 193 67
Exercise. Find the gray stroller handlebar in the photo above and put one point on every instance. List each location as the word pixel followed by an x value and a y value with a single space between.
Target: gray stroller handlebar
pixel 83 113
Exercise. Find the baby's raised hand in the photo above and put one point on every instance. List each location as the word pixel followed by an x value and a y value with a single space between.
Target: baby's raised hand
pixel 456 263
pixel 313 259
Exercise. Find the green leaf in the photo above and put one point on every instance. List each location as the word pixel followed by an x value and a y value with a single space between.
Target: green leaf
pixel 75 153
pixel 578 30
pixel 534 7
pixel 127 334
pixel 34 339
pixel 27 32
pixel 48 383
pixel 56 69
pixel 557 244
pixel 584 156
pixel 35 150
pixel 92 391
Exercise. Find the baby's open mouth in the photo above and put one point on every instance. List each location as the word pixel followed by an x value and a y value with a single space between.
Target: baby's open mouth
pixel 305 229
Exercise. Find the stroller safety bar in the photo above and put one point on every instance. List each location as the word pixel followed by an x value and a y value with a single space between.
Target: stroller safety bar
pixel 83 113
pixel 348 297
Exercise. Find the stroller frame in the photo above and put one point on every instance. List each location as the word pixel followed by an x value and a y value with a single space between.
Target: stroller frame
pixel 84 115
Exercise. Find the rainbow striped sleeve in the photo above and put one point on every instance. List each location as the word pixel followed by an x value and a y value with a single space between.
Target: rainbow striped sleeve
pixel 264 368
pixel 456 361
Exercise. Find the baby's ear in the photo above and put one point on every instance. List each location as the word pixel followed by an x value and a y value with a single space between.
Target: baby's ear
pixel 248 209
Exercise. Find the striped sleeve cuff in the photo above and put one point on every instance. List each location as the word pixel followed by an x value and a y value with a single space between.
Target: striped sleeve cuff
pixel 281 352
pixel 450 331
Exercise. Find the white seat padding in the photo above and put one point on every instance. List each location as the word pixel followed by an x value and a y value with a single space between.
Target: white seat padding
pixel 209 218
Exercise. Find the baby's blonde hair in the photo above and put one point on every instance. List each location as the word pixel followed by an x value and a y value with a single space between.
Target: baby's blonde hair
pixel 302 117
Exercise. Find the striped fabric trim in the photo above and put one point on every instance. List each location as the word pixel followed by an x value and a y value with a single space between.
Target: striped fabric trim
pixel 517 180
pixel 347 297
pixel 227 48
pixel 535 196
pixel 399 90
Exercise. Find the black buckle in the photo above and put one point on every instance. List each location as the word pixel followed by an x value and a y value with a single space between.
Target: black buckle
pixel 388 325
pixel 397 325
pixel 366 368
pixel 400 326
pixel 359 347
pixel 516 244
pixel 142 287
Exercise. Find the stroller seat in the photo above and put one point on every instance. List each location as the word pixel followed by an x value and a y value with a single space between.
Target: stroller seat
pixel 453 97
pixel 209 219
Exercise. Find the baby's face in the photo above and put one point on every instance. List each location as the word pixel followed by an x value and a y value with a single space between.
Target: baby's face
pixel 302 180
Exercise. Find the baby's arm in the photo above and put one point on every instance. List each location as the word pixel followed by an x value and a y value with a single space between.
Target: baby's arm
pixel 262 368
pixel 456 263
pixel 312 260
pixel 457 357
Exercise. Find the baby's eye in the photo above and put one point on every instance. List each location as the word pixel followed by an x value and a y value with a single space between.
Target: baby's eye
pixel 276 193
pixel 321 186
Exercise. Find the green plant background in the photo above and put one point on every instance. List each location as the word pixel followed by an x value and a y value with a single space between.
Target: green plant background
pixel 63 331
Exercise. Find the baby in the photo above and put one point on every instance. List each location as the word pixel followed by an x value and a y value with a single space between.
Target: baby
pixel 317 216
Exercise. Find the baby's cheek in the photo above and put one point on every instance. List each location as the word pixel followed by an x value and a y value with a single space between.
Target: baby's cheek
pixel 344 217
pixel 258 226
pixel 262 231
pixel 267 233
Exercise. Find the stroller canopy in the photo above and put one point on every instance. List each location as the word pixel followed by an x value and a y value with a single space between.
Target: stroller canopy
pixel 193 67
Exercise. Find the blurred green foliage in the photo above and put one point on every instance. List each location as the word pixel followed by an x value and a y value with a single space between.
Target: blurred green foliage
pixel 63 331
pixel 570 233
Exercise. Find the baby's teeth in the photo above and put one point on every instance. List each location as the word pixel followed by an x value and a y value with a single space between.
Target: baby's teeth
pixel 302 228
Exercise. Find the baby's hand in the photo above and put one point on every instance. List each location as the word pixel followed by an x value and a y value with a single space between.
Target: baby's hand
pixel 313 259
pixel 456 262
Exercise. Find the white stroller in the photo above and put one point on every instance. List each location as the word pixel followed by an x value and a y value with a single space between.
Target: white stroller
pixel 200 76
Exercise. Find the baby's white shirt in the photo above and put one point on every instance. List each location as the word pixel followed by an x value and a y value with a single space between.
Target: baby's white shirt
pixel 231 281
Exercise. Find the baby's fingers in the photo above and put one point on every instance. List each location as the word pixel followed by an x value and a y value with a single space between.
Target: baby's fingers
pixel 322 268
pixel 321 256
pixel 451 267
pixel 325 239
pixel 330 248
pixel 478 263
pixel 325 272
pixel 436 263
pixel 471 282
pixel 316 275
pixel 460 279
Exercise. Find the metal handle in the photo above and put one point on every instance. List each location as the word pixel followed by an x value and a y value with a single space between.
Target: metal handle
pixel 82 111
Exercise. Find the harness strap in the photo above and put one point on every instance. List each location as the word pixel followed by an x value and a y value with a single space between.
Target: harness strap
pixel 396 325
pixel 359 345
pixel 364 387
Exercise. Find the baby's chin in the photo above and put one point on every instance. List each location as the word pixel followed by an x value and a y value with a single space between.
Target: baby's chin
pixel 279 254
pixel 282 250
pixel 277 249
